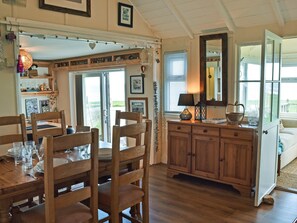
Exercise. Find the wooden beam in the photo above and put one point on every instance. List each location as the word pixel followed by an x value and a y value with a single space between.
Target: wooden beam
pixel 179 18
pixel 226 16
pixel 277 12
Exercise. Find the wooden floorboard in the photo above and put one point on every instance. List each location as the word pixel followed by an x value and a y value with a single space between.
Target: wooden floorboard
pixel 185 199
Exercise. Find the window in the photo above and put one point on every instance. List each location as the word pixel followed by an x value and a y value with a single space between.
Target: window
pixel 175 73
pixel 288 99
pixel 249 78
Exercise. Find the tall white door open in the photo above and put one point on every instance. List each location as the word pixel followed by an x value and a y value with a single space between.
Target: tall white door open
pixel 269 116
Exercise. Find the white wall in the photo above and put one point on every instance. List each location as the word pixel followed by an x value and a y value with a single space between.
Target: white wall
pixel 244 35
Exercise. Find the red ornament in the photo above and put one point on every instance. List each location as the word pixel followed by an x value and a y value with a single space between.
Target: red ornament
pixel 20 65
pixel 143 68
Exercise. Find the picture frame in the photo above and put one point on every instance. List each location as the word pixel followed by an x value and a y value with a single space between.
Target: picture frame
pixel 31 106
pixel 44 106
pixel 136 84
pixel 138 105
pixel 125 15
pixel 76 7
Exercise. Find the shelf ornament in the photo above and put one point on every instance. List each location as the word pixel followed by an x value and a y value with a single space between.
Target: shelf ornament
pixel 200 111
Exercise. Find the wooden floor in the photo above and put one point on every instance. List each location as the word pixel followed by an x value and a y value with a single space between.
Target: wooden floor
pixel 185 199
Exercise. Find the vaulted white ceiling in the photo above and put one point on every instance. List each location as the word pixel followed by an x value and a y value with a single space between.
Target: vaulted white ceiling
pixel 174 18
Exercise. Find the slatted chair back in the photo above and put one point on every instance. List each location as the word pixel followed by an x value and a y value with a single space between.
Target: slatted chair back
pixel 136 117
pixel 15 137
pixel 47 116
pixel 82 128
pixel 120 180
pixel 52 174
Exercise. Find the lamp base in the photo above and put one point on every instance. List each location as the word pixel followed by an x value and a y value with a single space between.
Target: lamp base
pixel 185 115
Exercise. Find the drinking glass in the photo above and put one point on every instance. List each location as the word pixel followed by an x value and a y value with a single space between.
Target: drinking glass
pixel 40 152
pixel 27 154
pixel 17 152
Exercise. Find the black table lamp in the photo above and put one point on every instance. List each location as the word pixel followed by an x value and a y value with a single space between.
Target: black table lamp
pixel 186 100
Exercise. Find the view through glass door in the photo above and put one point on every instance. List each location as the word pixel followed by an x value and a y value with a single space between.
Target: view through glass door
pixel 269 116
pixel 103 94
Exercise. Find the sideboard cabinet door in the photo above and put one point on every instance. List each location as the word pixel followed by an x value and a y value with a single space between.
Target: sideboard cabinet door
pixel 235 161
pixel 205 156
pixel 179 151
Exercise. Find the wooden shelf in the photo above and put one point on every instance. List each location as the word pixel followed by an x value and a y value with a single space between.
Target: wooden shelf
pixel 130 57
pixel 39 93
pixel 38 77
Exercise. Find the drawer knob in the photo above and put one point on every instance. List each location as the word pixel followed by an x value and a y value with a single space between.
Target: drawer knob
pixel 235 133
pixel 204 130
pixel 221 160
pixel 178 127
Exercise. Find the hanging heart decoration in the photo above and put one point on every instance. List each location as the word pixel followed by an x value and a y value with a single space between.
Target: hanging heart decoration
pixel 92 45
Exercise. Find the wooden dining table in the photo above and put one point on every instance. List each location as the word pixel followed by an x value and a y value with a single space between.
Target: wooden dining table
pixel 16 185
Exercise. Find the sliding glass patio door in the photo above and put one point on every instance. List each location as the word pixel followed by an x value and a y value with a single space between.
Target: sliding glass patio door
pixel 103 92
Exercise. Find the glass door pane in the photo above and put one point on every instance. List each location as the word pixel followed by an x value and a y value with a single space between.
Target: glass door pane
pixel 116 95
pixel 92 103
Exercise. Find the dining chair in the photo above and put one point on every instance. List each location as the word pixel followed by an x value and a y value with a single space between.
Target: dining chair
pixel 19 121
pixel 82 128
pixel 120 193
pixel 67 207
pixel 46 117
pixel 18 136
pixel 128 118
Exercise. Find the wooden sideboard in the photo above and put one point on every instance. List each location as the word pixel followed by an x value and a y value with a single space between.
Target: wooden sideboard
pixel 218 152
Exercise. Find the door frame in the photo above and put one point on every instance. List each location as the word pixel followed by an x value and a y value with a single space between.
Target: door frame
pixel 264 128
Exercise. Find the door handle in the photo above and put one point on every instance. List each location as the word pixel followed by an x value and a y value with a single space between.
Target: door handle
pixel 265 132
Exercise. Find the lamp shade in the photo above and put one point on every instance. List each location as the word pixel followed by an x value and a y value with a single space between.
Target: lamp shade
pixel 26 59
pixel 186 100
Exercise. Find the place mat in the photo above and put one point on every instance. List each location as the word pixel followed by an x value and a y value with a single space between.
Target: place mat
pixel 57 162
pixel 105 154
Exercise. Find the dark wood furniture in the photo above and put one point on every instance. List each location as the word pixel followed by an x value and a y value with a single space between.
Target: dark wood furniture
pixel 215 52
pixel 218 152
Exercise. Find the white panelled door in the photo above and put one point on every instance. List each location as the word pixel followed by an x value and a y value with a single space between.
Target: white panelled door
pixel 269 116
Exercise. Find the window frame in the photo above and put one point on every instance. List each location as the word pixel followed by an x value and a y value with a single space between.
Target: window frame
pixel 238 81
pixel 172 78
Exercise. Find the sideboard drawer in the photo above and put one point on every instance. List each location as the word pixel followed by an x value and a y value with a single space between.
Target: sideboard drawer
pixel 179 128
pixel 203 130
pixel 236 134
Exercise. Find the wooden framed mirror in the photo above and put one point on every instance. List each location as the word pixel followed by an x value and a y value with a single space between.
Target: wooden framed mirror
pixel 214 69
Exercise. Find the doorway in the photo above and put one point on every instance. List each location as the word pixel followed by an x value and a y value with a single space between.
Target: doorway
pixel 249 94
pixel 99 95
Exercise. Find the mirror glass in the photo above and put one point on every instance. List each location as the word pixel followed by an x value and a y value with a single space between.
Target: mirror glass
pixel 213 69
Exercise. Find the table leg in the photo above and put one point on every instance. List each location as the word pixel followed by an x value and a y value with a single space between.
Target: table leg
pixel 4 211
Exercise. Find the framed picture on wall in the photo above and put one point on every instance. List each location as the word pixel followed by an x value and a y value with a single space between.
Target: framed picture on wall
pixel 136 84
pixel 76 7
pixel 138 105
pixel 31 106
pixel 125 15
pixel 44 106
